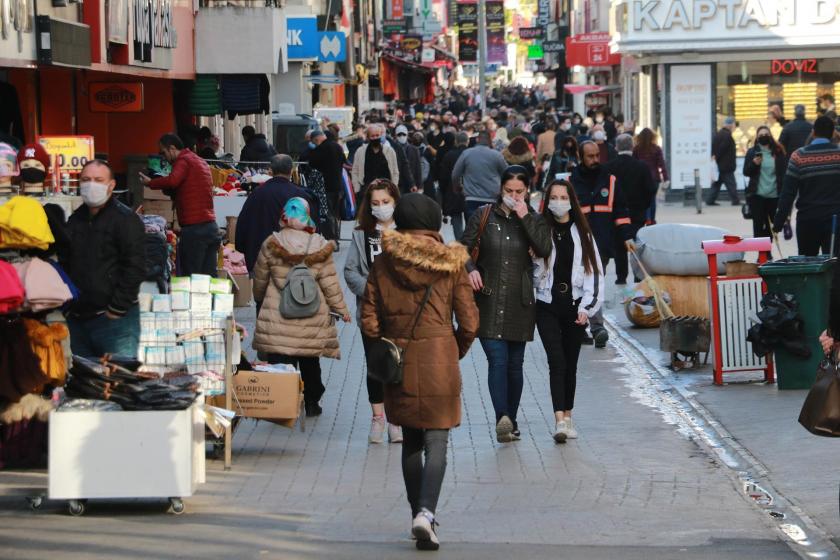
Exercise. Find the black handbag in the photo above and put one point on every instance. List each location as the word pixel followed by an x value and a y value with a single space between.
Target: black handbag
pixel 821 411
pixel 385 357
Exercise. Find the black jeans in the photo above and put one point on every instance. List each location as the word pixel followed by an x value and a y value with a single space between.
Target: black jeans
pixel 198 249
pixel 423 479
pixel 310 374
pixel 813 237
pixel 562 339
pixel 376 391
pixel 763 211
pixel 727 179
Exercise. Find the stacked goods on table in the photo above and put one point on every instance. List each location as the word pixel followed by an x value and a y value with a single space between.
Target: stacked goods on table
pixel 185 330
pixel 121 381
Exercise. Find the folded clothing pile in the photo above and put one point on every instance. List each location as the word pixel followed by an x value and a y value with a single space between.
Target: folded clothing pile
pixel 24 225
pixel 43 283
pixel 234 261
pixel 117 380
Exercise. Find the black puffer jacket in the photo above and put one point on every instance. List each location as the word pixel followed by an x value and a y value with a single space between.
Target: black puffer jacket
pixel 507 310
pixel 106 259
pixel 257 150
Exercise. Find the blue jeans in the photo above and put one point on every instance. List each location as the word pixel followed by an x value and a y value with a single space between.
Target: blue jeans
pixel 470 208
pixel 504 376
pixel 458 225
pixel 93 338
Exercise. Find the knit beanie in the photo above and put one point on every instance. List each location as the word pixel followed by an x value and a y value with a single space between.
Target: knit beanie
pixel 34 151
pixel 416 211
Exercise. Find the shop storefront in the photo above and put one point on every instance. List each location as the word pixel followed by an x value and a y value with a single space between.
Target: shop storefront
pixel 691 64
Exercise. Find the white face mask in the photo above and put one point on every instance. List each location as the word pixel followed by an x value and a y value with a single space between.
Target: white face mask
pixel 510 202
pixel 559 207
pixel 599 136
pixel 402 139
pixel 383 213
pixel 94 194
pixel 565 126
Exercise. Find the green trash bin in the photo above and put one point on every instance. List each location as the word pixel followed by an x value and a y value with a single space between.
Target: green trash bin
pixel 809 280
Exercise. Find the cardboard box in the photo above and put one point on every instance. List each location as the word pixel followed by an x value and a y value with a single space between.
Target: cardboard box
pixel 201 303
pixel 223 304
pixel 242 291
pixel 268 395
pixel 161 208
pixel 200 284
pixel 154 194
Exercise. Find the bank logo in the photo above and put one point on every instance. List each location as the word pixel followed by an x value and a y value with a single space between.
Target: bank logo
pixel 330 46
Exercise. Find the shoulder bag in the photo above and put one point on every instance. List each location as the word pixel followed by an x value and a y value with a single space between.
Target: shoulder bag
pixel 821 411
pixel 385 358
pixel 485 217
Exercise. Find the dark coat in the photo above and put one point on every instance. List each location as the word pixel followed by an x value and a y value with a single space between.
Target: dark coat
pixel 453 195
pixel 636 182
pixel 605 207
pixel 795 134
pixel 260 215
pixel 328 158
pixel 107 258
pixel 413 156
pixel 407 179
pixel 257 149
pixel 430 395
pixel 723 148
pixel 508 311
pixel 752 171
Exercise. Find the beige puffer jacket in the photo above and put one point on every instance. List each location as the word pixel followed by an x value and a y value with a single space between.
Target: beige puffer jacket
pixel 310 337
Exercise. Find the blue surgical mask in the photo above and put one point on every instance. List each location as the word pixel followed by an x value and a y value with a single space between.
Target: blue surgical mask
pixel 383 139
pixel 312 145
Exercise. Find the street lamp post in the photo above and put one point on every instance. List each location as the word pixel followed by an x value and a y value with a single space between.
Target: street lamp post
pixel 482 54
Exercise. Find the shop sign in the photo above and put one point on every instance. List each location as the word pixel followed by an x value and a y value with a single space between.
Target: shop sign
pixel 543 12
pixel 553 46
pixel 467 32
pixel 116 97
pixel 788 67
pixel 531 32
pixel 535 52
pixel 154 26
pixel 690 124
pixel 302 38
pixel 397 9
pixel 590 49
pixel 660 25
pixel 71 152
pixel 394 26
pixel 496 44
pixel 332 46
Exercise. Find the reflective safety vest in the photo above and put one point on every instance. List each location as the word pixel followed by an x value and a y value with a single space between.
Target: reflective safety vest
pixel 605 208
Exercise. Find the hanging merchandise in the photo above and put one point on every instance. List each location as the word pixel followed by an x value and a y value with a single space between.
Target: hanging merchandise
pixel 24 225
pixel 46 344
pixel 312 180
pixel 44 287
pixel 8 168
pixel 205 96
pixel 20 370
pixel 348 210
pixel 34 164
pixel 245 94
pixel 11 290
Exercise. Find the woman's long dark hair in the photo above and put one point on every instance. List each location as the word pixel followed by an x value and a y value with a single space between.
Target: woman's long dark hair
pixel 775 148
pixel 645 142
pixel 587 242
pixel 365 217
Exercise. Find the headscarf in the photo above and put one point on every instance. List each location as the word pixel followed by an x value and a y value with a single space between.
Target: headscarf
pixel 416 211
pixel 296 215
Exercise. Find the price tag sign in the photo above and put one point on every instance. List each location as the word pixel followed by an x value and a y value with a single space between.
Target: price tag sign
pixel 71 153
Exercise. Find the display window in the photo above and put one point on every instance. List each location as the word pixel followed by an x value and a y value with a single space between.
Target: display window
pixel 765 92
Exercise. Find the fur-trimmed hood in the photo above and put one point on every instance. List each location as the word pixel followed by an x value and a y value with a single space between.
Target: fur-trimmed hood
pixel 419 257
pixel 514 159
pixel 320 251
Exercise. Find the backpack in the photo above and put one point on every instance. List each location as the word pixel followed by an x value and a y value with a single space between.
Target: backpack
pixel 300 296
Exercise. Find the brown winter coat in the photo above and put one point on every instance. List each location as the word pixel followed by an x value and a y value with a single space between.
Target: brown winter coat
pixel 310 337
pixel 430 394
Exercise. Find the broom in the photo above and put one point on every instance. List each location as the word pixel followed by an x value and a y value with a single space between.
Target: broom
pixel 662 306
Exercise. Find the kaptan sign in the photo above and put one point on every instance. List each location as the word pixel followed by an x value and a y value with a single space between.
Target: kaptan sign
pixel 655 15
pixel 724 25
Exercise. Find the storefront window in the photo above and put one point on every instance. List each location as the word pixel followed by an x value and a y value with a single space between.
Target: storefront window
pixel 754 92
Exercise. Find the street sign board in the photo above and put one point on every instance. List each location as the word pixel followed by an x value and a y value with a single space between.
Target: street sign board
pixel 553 46
pixel 531 32
pixel 332 47
pixel 302 40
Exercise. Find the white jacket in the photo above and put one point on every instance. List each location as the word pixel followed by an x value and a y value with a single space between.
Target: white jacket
pixel 589 288
pixel 358 174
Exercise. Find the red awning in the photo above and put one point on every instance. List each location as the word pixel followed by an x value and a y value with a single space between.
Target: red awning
pixel 576 89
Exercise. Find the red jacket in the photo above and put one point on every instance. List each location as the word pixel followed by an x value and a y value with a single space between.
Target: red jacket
pixel 193 185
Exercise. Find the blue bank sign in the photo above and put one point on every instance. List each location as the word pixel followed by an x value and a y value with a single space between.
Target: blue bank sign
pixel 305 42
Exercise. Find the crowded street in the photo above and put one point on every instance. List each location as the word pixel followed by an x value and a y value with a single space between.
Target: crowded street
pixel 384 278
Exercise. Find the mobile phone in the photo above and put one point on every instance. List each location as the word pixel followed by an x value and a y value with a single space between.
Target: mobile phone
pixel 336 316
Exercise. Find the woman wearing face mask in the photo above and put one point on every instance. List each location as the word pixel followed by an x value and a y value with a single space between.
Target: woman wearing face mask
pixel 564 160
pixel 376 214
pixel 569 291
pixel 765 166
pixel 500 238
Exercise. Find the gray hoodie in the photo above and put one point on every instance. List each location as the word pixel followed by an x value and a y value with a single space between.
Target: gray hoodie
pixel 481 169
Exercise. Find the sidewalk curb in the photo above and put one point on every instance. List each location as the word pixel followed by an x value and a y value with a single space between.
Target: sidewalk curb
pixel 795 527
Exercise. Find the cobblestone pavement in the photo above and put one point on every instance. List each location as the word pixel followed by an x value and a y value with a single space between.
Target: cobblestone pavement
pixel 632 486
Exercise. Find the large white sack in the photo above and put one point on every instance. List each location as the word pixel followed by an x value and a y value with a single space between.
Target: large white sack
pixel 676 249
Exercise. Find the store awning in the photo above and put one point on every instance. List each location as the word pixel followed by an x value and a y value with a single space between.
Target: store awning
pixel 407 63
pixel 587 89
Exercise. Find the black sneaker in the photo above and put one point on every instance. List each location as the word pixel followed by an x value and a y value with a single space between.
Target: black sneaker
pixel 313 409
pixel 516 433
pixel 601 337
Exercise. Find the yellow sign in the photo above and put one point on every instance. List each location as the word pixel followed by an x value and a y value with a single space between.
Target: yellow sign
pixel 70 153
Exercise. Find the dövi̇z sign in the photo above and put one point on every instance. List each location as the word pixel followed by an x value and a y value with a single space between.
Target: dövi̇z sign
pixel 790 66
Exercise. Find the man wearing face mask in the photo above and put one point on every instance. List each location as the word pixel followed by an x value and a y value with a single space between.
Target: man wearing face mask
pixel 376 160
pixel 190 179
pixel 328 158
pixel 106 262
pixel 606 152
pixel 412 154
pixel 605 207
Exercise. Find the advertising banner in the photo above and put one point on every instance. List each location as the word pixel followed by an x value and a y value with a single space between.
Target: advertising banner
pixel 496 45
pixel 467 31
pixel 690 124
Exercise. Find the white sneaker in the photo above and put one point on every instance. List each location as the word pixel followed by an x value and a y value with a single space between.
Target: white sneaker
pixel 423 530
pixel 394 433
pixel 377 429
pixel 561 432
pixel 571 432
pixel 504 430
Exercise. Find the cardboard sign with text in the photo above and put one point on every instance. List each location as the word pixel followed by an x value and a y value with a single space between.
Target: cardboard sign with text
pixel 267 395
